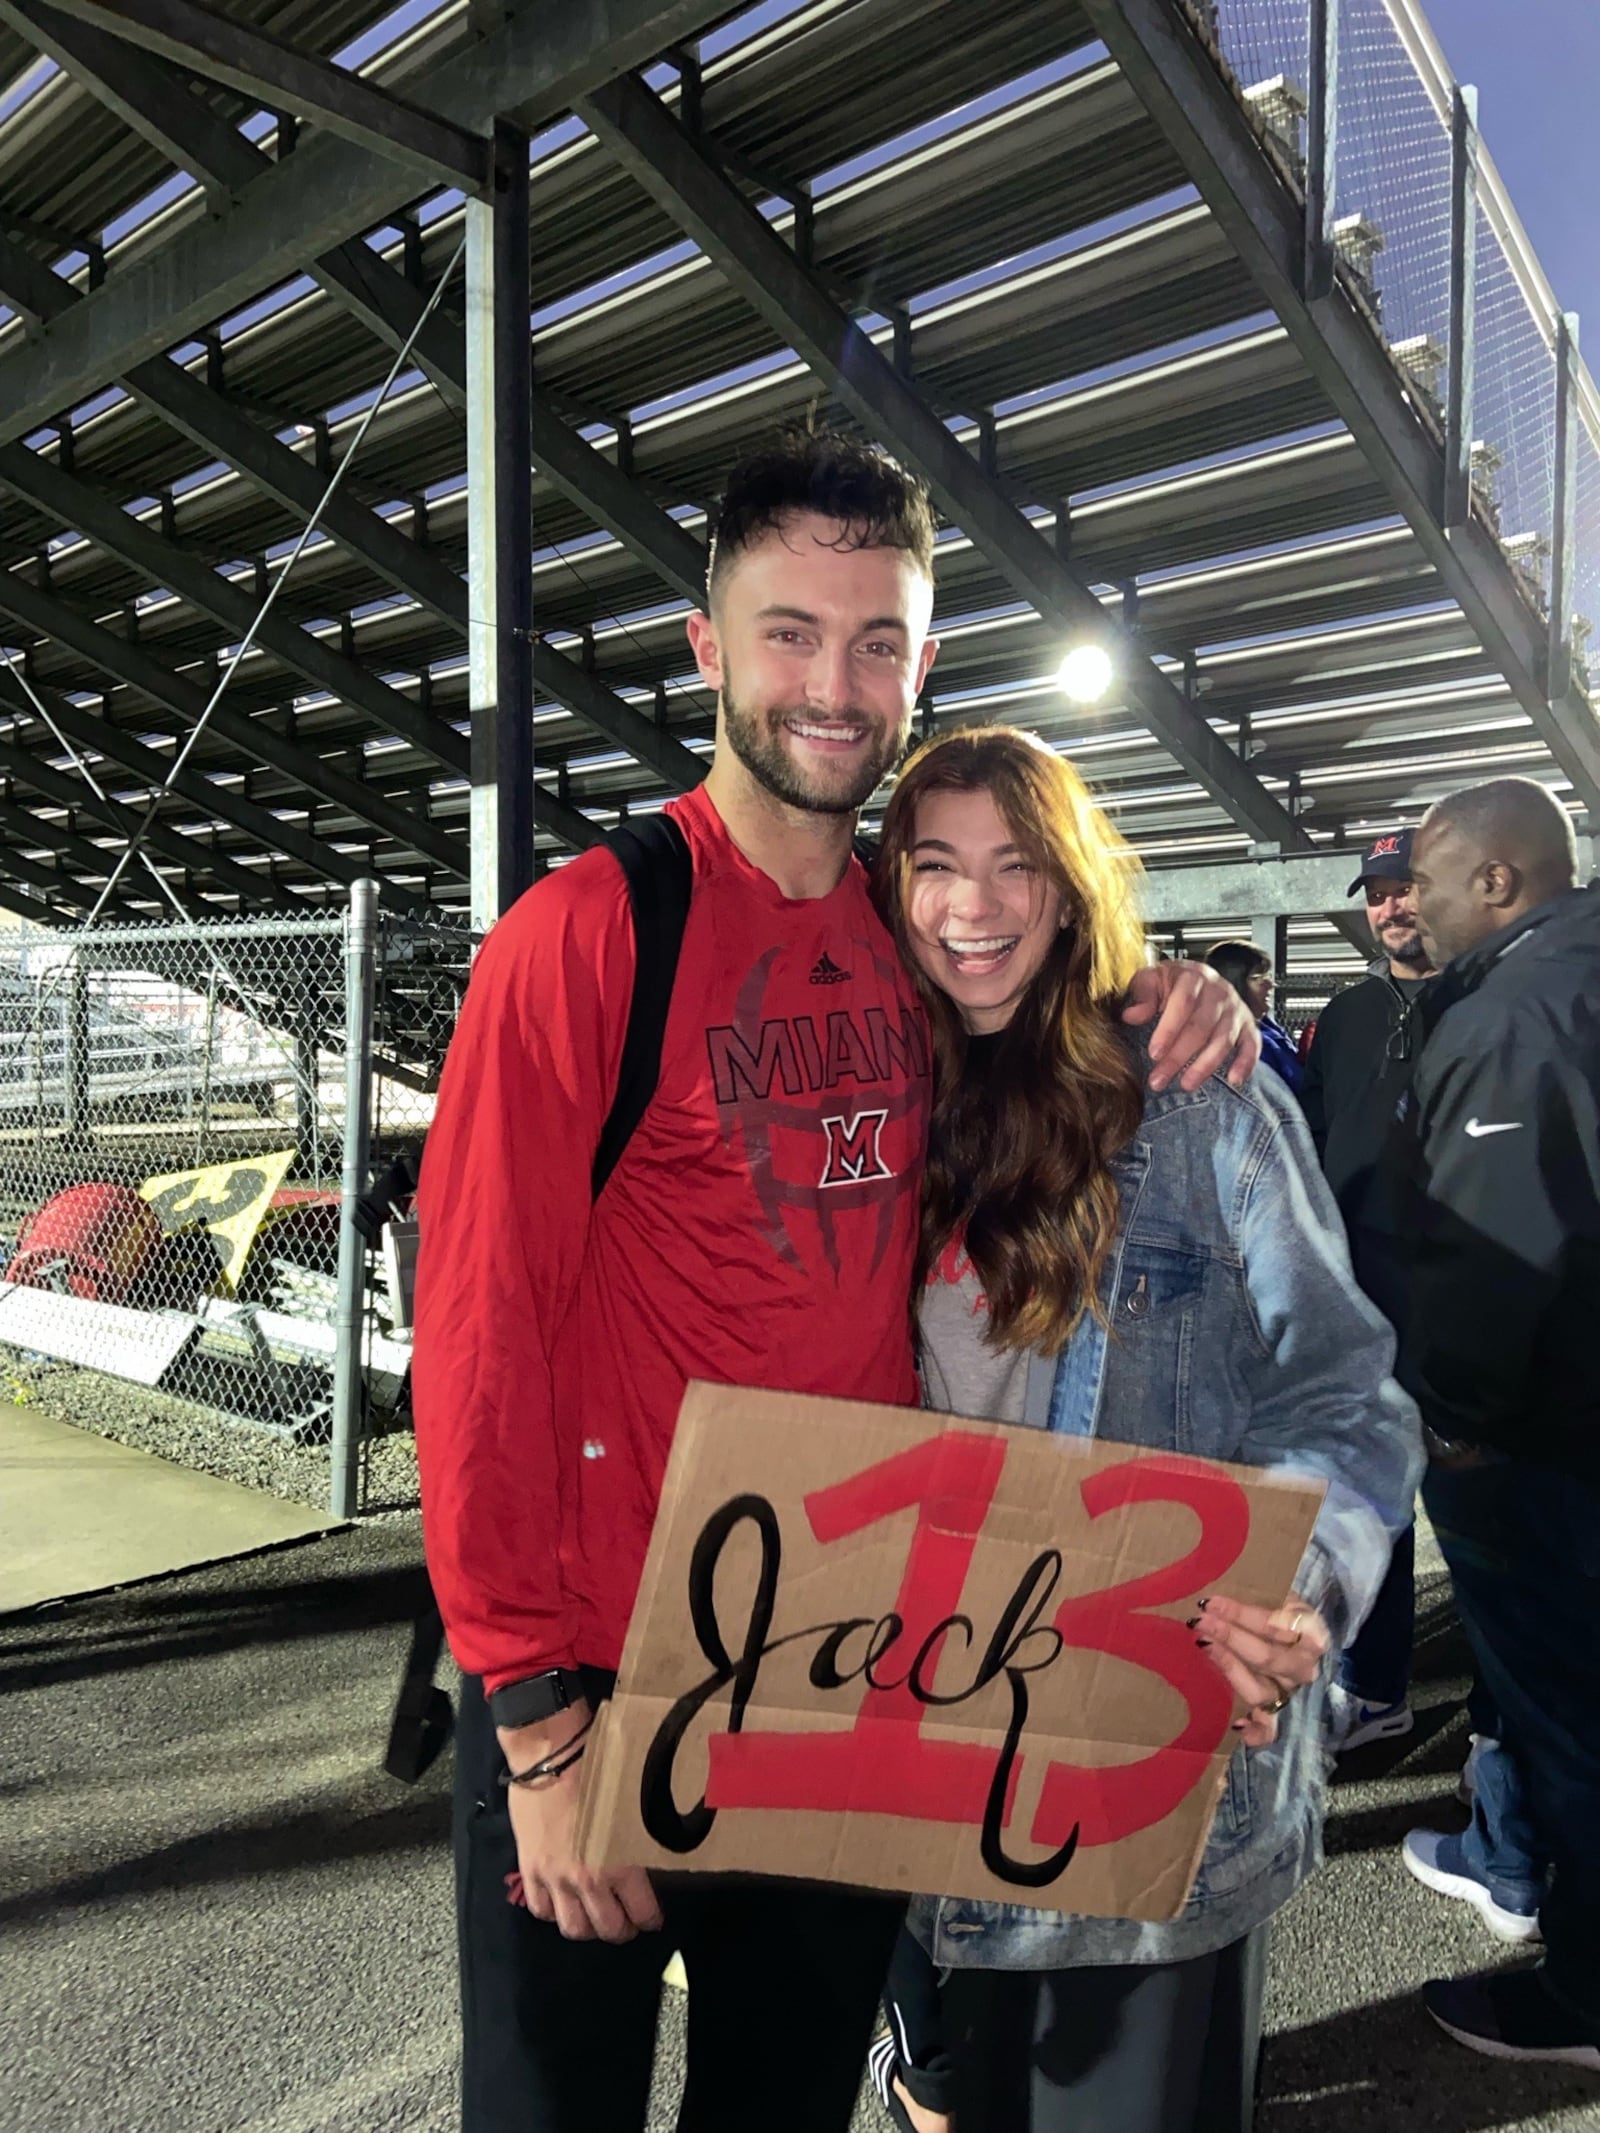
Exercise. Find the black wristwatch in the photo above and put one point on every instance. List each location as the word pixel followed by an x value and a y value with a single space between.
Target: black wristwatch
pixel 525 1703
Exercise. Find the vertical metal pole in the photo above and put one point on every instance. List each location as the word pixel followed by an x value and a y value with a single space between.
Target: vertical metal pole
pixel 75 1091
pixel 499 537
pixel 1321 140
pixel 1562 517
pixel 1463 309
pixel 307 1113
pixel 1271 936
pixel 360 969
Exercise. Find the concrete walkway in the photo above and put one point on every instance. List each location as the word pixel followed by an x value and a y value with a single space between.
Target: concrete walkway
pixel 218 1916
pixel 79 1514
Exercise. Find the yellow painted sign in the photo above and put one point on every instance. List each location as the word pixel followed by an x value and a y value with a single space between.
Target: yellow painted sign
pixel 229 1200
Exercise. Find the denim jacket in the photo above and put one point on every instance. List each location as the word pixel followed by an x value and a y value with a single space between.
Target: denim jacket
pixel 1235 1331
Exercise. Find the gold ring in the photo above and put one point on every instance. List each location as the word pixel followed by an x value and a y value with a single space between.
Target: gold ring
pixel 1274 1708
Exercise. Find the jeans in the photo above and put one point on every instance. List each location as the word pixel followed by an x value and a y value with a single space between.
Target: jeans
pixel 1376 1665
pixel 1523 1545
pixel 559 2035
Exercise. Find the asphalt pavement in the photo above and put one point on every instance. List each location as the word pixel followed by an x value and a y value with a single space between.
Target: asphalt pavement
pixel 217 1915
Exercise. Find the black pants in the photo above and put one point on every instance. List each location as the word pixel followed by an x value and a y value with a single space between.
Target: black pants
pixel 1125 2048
pixel 1523 1545
pixel 559 2035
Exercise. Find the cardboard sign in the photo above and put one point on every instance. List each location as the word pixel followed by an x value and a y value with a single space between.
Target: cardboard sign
pixel 903 1651
pixel 231 1199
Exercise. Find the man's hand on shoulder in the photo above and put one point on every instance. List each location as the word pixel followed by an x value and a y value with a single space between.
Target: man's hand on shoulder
pixel 1201 1025
pixel 611 1903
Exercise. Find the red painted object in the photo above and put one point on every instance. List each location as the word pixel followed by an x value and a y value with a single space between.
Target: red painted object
pixel 104 1233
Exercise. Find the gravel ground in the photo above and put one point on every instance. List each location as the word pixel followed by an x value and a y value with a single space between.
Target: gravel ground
pixel 201 1438
pixel 218 1916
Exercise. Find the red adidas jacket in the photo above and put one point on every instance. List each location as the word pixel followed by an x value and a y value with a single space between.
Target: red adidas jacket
pixel 760 1228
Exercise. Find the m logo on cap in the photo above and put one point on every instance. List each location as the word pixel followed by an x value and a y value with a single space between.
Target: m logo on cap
pixel 1385 846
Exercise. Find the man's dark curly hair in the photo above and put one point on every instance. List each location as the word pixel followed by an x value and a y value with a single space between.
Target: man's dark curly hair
pixel 876 502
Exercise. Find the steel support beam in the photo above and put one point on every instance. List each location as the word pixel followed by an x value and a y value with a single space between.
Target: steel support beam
pixel 676 171
pixel 1155 45
pixel 30 908
pixel 64 790
pixel 1305 886
pixel 100 737
pixel 1563 530
pixel 1458 424
pixel 588 480
pixel 284 77
pixel 678 768
pixel 1321 142
pixel 499 533
pixel 253 737
pixel 66 887
pixel 221 429
pixel 72 503
pixel 328 192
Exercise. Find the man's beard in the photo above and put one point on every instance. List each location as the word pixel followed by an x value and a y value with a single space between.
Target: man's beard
pixel 1410 949
pixel 756 739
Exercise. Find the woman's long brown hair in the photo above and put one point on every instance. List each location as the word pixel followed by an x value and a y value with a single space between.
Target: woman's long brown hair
pixel 1020 1159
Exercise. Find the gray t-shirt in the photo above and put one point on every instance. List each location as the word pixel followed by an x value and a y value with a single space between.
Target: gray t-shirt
pixel 961 1373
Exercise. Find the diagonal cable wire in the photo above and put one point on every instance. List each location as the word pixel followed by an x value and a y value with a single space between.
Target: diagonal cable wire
pixel 242 649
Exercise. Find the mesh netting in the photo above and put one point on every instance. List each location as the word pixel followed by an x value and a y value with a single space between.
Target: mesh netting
pixel 1585 616
pixel 1392 190
pixel 173 1129
pixel 1514 414
pixel 1265 41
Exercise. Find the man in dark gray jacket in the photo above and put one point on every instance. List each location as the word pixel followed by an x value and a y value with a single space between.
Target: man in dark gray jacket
pixel 1359 1066
pixel 1502 1131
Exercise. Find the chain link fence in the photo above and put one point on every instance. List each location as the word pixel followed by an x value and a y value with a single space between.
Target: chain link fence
pixel 1391 184
pixel 191 1117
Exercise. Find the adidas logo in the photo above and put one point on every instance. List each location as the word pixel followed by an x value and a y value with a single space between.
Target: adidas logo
pixel 825 971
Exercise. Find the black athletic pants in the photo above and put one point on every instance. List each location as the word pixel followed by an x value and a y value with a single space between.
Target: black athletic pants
pixel 559 2035
pixel 1130 2048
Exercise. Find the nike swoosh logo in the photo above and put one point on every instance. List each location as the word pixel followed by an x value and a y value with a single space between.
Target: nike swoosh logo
pixel 1479 1133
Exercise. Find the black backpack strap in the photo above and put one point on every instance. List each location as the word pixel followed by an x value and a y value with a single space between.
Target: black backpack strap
pixel 423 1714
pixel 655 861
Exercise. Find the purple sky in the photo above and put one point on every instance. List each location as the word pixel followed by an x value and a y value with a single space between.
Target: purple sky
pixel 1535 64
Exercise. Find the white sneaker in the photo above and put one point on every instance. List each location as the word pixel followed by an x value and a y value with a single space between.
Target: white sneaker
pixel 1439 1864
pixel 1353 1723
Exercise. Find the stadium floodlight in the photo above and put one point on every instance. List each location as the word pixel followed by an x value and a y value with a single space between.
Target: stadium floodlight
pixel 1086 673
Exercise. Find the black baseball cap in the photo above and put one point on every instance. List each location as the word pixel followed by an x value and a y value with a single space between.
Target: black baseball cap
pixel 1386 859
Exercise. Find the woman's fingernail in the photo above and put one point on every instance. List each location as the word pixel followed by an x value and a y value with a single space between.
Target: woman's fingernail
pixel 1204 1643
pixel 1241 1725
pixel 1193 1622
pixel 1202 1605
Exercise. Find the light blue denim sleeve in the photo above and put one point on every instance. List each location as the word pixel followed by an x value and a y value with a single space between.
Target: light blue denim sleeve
pixel 1324 1398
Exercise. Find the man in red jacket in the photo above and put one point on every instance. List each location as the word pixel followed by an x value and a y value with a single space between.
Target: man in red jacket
pixel 759 1229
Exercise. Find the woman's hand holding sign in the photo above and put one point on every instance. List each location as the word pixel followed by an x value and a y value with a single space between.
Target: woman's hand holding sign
pixel 587 1903
pixel 1264 1654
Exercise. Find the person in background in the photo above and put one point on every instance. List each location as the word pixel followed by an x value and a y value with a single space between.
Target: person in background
pixel 1358 1068
pixel 1501 1132
pixel 1248 969
pixel 1165 1272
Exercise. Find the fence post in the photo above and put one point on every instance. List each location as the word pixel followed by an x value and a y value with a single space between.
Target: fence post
pixel 1563 501
pixel 1322 117
pixel 1463 308
pixel 360 965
